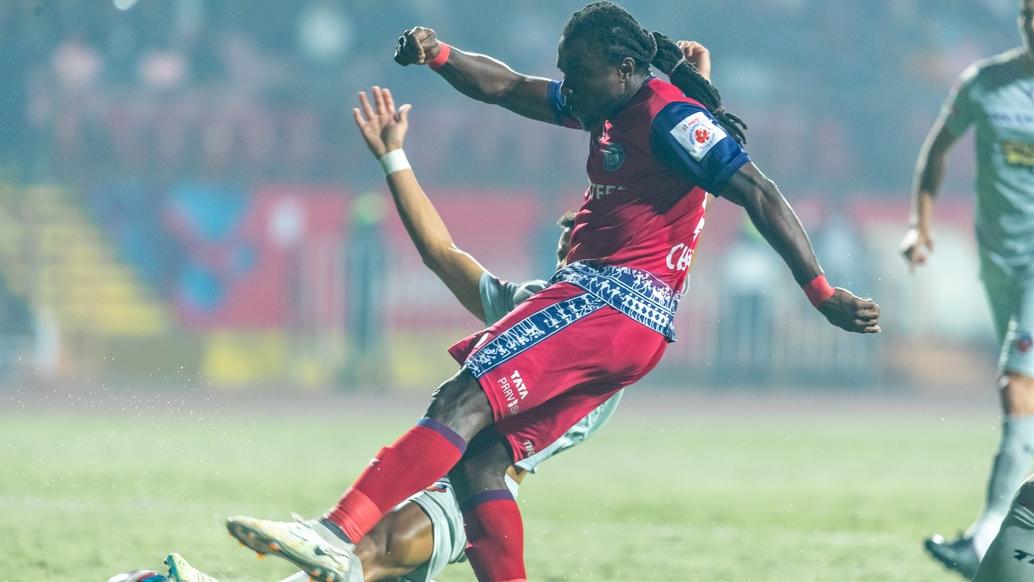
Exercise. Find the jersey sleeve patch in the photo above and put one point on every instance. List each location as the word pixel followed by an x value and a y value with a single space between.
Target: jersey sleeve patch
pixel 688 139
pixel 698 134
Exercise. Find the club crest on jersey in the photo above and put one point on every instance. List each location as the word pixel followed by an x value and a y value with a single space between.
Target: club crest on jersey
pixel 613 156
pixel 1024 342
pixel 698 134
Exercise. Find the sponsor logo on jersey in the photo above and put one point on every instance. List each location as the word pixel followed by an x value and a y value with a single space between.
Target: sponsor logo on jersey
pixel 518 383
pixel 613 156
pixel 679 257
pixel 1018 153
pixel 437 488
pixel 1016 119
pixel 698 134
pixel 1024 342
pixel 512 404
pixel 600 191
pixel 1022 556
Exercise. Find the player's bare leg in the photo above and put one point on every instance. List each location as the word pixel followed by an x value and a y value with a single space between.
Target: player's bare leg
pixel 399 544
pixel 403 540
pixel 491 517
pixel 1011 464
pixel 459 410
pixel 1011 555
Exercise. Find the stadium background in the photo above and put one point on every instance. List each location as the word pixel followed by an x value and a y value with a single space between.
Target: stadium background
pixel 192 234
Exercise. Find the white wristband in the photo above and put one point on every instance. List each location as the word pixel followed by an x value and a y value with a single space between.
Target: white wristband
pixel 394 161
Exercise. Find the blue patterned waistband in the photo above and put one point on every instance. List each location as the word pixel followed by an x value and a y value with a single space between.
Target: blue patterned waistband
pixel 638 294
pixel 528 332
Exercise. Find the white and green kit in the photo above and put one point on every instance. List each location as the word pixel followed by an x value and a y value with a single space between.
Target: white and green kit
pixel 996 96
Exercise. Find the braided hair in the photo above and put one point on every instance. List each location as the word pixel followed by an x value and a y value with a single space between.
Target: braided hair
pixel 613 30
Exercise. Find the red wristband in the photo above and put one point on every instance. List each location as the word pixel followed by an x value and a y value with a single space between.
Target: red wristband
pixel 819 290
pixel 442 56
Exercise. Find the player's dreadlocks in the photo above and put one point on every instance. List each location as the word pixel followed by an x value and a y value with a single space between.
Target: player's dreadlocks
pixel 612 29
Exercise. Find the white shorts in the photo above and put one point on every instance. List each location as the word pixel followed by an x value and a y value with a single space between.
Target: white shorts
pixel 1011 296
pixel 440 505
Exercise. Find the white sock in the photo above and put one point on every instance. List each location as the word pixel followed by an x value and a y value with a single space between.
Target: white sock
pixel 984 530
pixel 299 577
pixel 1010 468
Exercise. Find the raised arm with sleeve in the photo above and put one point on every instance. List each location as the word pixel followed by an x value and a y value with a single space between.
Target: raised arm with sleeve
pixel 721 166
pixel 477 76
pixel 384 128
pixel 772 215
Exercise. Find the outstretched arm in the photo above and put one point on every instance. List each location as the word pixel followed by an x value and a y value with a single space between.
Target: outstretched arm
pixel 477 76
pixel 918 242
pixel 777 222
pixel 689 139
pixel 384 129
pixel 956 116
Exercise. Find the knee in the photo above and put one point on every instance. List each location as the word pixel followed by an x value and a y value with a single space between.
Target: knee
pixel 1017 381
pixel 470 474
pixel 461 405
pixel 1017 393
pixel 485 470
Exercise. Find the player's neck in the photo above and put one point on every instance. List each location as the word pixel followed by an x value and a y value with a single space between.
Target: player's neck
pixel 633 89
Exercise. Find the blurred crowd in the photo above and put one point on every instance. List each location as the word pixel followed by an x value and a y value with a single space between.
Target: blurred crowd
pixel 209 147
pixel 837 93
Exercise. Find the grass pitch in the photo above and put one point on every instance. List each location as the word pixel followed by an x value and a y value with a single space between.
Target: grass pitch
pixel 702 488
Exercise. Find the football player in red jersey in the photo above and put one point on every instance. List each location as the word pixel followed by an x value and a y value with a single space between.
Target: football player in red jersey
pixel 419 538
pixel 656 148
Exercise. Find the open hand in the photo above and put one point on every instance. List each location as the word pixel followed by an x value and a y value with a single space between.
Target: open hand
pixel 383 127
pixel 851 313
pixel 416 46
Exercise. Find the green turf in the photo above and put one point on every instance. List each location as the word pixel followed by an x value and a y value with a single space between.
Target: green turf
pixel 842 497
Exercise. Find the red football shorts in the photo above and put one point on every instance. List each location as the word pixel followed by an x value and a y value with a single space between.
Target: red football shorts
pixel 554 359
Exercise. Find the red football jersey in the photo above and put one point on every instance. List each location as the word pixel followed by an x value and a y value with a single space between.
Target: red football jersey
pixel 649 170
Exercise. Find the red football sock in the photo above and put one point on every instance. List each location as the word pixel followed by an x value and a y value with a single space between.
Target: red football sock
pixel 412 463
pixel 495 537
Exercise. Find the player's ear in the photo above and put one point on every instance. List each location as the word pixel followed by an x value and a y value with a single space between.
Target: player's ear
pixel 626 68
